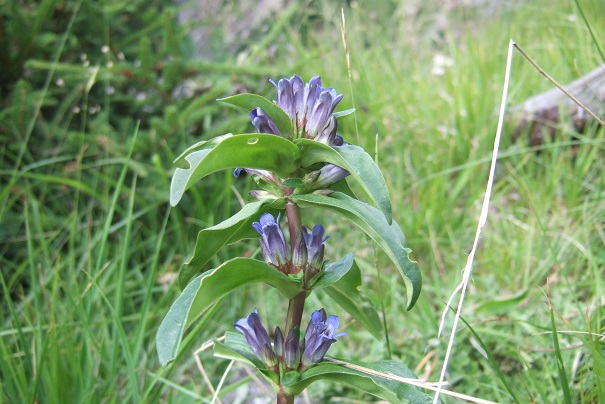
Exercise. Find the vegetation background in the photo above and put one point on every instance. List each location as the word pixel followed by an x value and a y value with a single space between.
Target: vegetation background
pixel 98 97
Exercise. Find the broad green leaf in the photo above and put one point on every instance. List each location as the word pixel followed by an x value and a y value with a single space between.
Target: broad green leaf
pixel 204 144
pixel 356 161
pixel 334 271
pixel 251 101
pixel 207 289
pixel 259 151
pixel 384 388
pixel 347 294
pixel 374 224
pixel 212 239
pixel 398 233
pixel 343 187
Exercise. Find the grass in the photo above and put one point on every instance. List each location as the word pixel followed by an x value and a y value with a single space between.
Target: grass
pixel 89 248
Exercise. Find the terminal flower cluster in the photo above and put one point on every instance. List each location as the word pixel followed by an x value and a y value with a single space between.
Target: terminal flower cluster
pixel 310 108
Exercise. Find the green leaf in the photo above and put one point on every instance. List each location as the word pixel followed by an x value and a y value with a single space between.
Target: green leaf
pixel 251 101
pixel 212 239
pixel 374 224
pixel 346 112
pixel 502 306
pixel 563 381
pixel 259 151
pixel 334 271
pixel 235 347
pixel 204 144
pixel 348 295
pixel 398 233
pixel 386 389
pixel 207 289
pixel 294 183
pixel 356 161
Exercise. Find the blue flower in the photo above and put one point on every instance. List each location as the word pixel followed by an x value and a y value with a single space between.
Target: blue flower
pixel 309 249
pixel 273 243
pixel 315 245
pixel 257 338
pixel 292 349
pixel 326 176
pixel 264 175
pixel 310 108
pixel 263 123
pixel 278 342
pixel 320 335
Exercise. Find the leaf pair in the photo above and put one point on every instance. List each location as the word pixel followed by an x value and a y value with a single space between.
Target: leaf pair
pixel 258 151
pixel 276 154
pixel 209 287
pixel 235 347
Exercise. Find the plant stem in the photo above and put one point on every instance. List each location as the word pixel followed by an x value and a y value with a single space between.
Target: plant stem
pixel 294 220
pixel 296 305
pixel 295 311
pixel 284 398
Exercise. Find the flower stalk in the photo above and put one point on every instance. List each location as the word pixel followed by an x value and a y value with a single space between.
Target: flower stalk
pixel 295 306
pixel 284 398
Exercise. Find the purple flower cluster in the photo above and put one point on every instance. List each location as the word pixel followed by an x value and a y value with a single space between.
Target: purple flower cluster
pixel 292 353
pixel 308 252
pixel 310 108
pixel 309 248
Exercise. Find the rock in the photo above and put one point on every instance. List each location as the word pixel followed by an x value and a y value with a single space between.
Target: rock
pixel 540 114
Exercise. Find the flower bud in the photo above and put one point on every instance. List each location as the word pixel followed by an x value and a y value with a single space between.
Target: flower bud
pixel 300 254
pixel 315 245
pixel 292 349
pixel 328 175
pixel 263 123
pixel 278 342
pixel 264 196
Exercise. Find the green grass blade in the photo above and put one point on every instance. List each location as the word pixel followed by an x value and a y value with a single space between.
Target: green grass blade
pixel 563 380
pixel 492 361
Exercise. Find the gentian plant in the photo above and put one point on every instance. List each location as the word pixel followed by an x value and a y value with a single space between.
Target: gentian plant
pixel 299 162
